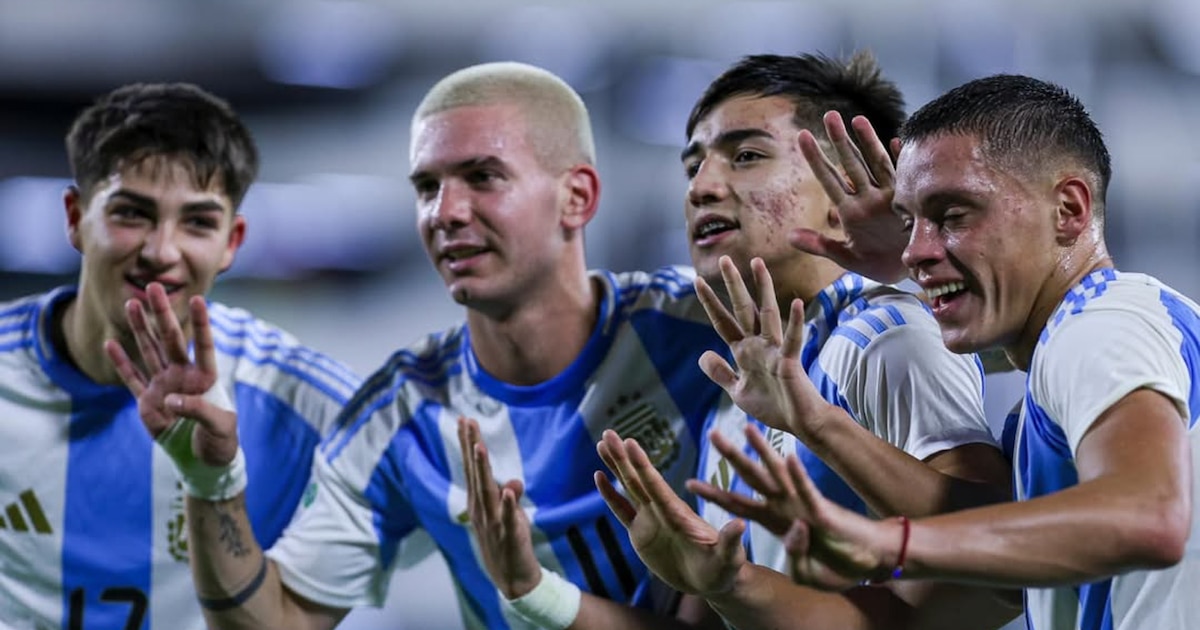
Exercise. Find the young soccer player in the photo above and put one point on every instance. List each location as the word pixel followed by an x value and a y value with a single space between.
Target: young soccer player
pixel 93 533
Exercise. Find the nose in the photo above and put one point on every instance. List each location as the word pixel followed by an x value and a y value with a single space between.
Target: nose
pixel 707 185
pixel 160 248
pixel 924 245
pixel 451 208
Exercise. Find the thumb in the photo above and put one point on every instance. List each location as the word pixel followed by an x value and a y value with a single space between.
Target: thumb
pixel 717 369
pixel 817 244
pixel 729 541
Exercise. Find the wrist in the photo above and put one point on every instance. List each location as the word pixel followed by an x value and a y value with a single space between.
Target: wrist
pixel 894 558
pixel 553 604
pixel 199 479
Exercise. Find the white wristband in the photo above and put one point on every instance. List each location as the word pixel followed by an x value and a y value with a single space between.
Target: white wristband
pixel 552 604
pixel 211 483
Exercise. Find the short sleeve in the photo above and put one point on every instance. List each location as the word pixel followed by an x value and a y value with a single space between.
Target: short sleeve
pixel 1096 357
pixel 914 393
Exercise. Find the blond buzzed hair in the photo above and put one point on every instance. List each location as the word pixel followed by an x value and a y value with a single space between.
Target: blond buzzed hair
pixel 556 119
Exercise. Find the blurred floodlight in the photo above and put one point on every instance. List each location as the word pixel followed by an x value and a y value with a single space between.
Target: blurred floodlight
pixel 340 45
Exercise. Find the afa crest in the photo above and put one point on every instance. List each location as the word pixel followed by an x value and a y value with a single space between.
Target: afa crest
pixel 632 417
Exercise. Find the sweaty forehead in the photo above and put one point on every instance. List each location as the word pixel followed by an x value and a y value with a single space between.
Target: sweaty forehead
pixel 465 133
pixel 940 164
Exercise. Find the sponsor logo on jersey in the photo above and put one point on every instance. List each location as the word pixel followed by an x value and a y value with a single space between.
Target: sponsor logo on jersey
pixel 25 515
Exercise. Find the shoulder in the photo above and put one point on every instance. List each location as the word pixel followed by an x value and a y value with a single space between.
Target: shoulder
pixel 18 322
pixel 265 356
pixel 1110 309
pixel 666 290
pixel 424 367
pixel 893 331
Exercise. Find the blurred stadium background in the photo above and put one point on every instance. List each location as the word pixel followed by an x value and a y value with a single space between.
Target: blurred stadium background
pixel 328 86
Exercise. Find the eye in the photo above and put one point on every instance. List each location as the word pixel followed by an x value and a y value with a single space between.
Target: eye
pixel 126 212
pixel 691 168
pixel 425 188
pixel 203 222
pixel 745 155
pixel 482 177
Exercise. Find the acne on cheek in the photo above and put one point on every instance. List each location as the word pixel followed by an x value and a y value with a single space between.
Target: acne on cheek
pixel 774 207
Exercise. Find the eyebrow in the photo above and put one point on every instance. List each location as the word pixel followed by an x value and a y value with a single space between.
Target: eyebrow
pixel 469 164
pixel 733 136
pixel 142 200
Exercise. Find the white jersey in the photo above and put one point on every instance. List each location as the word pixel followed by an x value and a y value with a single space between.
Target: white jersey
pixel 92 531
pixel 394 466
pixel 1113 333
pixel 876 352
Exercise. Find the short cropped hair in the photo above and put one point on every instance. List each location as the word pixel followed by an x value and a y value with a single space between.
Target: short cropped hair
pixel 816 84
pixel 555 115
pixel 1021 123
pixel 170 120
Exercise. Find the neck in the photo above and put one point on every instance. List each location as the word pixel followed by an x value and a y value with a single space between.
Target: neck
pixel 541 337
pixel 80 339
pixel 803 282
pixel 1072 268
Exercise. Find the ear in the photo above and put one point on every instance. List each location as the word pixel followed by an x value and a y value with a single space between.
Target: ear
pixel 73 204
pixel 237 234
pixel 582 187
pixel 1074 211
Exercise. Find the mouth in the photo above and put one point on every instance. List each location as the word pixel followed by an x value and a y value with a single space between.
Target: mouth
pixel 943 295
pixel 140 283
pixel 461 255
pixel 710 228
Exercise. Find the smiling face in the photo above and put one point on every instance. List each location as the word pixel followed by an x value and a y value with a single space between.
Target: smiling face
pixel 149 222
pixel 488 211
pixel 983 242
pixel 748 187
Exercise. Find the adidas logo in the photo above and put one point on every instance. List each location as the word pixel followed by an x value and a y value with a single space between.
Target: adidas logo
pixel 17 520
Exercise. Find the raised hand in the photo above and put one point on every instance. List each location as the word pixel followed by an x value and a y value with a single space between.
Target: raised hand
pixel 875 236
pixel 501 526
pixel 170 386
pixel 769 382
pixel 675 543
pixel 829 546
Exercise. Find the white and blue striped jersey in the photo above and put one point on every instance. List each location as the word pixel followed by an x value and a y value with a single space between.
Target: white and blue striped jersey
pixel 1112 334
pixel 876 352
pixel 393 467
pixel 92 530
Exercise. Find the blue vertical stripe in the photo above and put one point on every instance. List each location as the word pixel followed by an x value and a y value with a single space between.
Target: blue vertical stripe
pixel 279 446
pixel 107 530
pixel 1187 322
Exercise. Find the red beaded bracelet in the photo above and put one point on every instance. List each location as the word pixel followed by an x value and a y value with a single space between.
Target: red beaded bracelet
pixel 899 570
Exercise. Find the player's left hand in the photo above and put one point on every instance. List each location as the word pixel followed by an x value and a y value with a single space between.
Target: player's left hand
pixel 500 524
pixel 675 543
pixel 769 383
pixel 829 546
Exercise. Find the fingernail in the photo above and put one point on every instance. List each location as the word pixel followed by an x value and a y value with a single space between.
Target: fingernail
pixel 173 401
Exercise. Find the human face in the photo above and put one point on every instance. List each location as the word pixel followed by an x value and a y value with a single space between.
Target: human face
pixel 748 187
pixel 982 242
pixel 149 222
pixel 488 211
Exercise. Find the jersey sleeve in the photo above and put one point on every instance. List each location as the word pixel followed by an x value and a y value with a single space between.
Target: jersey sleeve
pixel 1095 358
pixel 912 392
pixel 340 549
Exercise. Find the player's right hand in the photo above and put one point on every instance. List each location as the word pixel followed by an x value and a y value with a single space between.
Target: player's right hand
pixel 675 543
pixel 861 185
pixel 168 384
pixel 769 383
